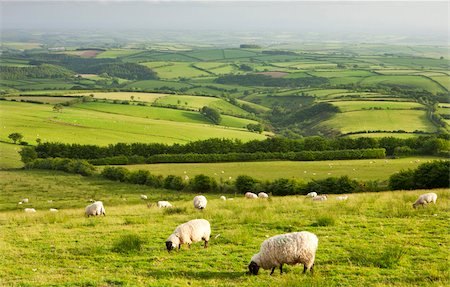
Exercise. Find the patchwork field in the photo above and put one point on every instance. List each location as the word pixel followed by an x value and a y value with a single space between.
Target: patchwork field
pixel 361 241
pixel 347 106
pixel 404 81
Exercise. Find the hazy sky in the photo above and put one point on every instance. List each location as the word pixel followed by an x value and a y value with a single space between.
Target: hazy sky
pixel 390 17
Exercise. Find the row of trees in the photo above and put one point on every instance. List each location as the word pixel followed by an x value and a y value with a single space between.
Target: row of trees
pixel 267 81
pixel 424 145
pixel 43 71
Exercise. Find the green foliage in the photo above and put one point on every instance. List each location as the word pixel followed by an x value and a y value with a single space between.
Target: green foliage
pixel 212 114
pixel 28 154
pixel 129 243
pixel 203 183
pixel 245 183
pixel 15 137
pixel 427 175
pixel 285 186
pixel 267 81
pixel 337 185
pixel 175 210
pixel 68 165
pixel 42 71
pixel 255 128
pixel 174 182
pixel 115 173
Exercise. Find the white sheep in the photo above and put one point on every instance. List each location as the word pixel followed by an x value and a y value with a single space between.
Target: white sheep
pixel 162 203
pixel 25 200
pixel 200 202
pixel 291 248
pixel 342 197
pixel 95 209
pixel 250 195
pixel 425 198
pixel 312 194
pixel 144 197
pixel 263 195
pixel 223 198
pixel 30 210
pixel 320 198
pixel 53 210
pixel 187 233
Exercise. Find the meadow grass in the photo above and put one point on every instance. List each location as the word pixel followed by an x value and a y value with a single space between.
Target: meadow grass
pixel 385 120
pixel 346 106
pixel 92 127
pixel 9 155
pixel 127 96
pixel 377 239
pixel 404 81
pixel 116 53
pixel 179 70
pixel 364 169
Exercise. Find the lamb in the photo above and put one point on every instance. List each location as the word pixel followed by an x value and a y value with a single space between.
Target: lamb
pixel 30 210
pixel 320 198
pixel 290 248
pixel 223 198
pixel 342 197
pixel 263 195
pixel 95 209
pixel 425 198
pixel 250 195
pixel 200 202
pixel 143 197
pixel 164 204
pixel 312 194
pixel 189 232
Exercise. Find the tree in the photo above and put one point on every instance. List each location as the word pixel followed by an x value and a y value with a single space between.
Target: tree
pixel 15 137
pixel 57 108
pixel 28 154
pixel 212 114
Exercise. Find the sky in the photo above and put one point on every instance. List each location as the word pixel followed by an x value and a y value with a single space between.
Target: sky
pixel 372 17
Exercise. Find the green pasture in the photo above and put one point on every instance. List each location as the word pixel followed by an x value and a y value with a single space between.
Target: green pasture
pixel 179 70
pixel 21 45
pixel 364 169
pixel 207 55
pixel 126 96
pixel 347 106
pixel 156 84
pixel 341 73
pixel 116 53
pixel 385 120
pixel 42 99
pixel 325 93
pixel 372 239
pixel 404 81
pixel 74 125
pixel 442 80
pixel 413 62
pixel 13 62
pixel 9 155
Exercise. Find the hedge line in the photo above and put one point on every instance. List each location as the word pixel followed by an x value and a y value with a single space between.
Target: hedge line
pixel 63 164
pixel 242 157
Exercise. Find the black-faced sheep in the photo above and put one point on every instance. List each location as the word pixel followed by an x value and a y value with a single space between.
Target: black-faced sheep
pixel 189 232
pixel 200 202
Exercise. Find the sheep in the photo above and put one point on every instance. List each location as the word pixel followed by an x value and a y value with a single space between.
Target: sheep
pixel 223 198
pixel 250 195
pixel 30 210
pixel 95 209
pixel 320 198
pixel 144 197
pixel 425 198
pixel 263 195
pixel 25 200
pixel 200 202
pixel 164 204
pixel 289 248
pixel 342 197
pixel 53 210
pixel 312 194
pixel 188 233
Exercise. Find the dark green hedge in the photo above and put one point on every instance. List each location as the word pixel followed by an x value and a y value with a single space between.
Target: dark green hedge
pixel 63 164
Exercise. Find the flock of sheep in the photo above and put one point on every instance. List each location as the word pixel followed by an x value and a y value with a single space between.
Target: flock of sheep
pixel 290 248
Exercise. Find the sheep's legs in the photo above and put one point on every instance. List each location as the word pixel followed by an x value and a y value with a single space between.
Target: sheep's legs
pixel 273 269
pixel 206 244
pixel 281 269
pixel 310 269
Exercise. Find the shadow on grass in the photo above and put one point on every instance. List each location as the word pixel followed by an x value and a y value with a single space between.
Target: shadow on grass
pixel 230 275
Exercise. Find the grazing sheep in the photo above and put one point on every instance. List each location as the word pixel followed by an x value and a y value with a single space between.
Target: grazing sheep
pixel 164 204
pixel 250 195
pixel 290 248
pixel 25 200
pixel 144 197
pixel 223 197
pixel 425 198
pixel 95 209
pixel 53 210
pixel 320 198
pixel 30 210
pixel 200 202
pixel 342 197
pixel 312 194
pixel 189 232
pixel 263 195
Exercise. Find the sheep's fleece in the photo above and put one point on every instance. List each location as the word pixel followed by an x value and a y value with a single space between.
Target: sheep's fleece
pixel 189 232
pixel 291 248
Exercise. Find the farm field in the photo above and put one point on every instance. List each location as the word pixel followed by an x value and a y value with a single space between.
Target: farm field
pixel 92 127
pixel 361 241
pixel 407 81
pixel 346 106
pixel 126 96
pixel 9 155
pixel 364 169
pixel 384 120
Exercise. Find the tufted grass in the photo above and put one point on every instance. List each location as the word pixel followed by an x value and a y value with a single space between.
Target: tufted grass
pixel 377 239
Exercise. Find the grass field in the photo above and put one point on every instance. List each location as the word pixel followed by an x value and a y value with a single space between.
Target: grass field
pixel 9 155
pixel 385 120
pixel 117 53
pixel 404 81
pixel 92 127
pixel 179 70
pixel 127 96
pixel 46 100
pixel 366 169
pixel 346 106
pixel 373 239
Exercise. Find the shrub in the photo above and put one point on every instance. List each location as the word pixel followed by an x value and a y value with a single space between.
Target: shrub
pixel 202 183
pixel 156 181
pixel 138 176
pixel 402 180
pixel 245 183
pixel 128 244
pixel 115 173
pixel 434 174
pixel 284 186
pixel 336 185
pixel 63 164
pixel 28 154
pixel 174 182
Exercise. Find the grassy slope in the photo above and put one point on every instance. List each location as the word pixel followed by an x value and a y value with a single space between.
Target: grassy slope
pixel 91 127
pixel 346 106
pixel 9 155
pixel 408 120
pixel 411 81
pixel 365 169
pixel 126 96
pixel 68 249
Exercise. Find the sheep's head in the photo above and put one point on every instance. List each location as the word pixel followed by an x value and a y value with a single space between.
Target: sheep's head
pixel 414 205
pixel 253 268
pixel 172 242
pixel 169 245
